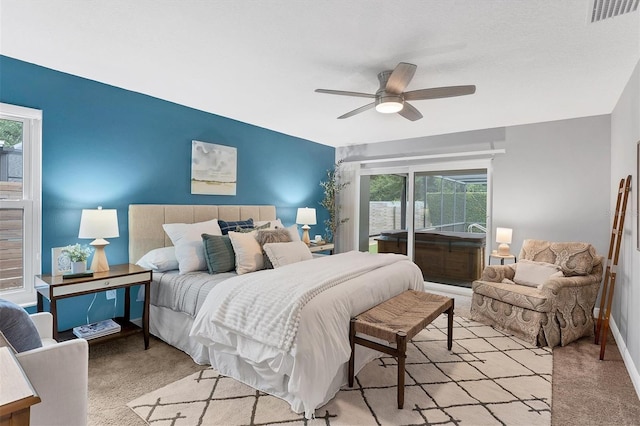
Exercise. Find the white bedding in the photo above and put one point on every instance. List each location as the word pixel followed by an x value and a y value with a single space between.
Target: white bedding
pixel 311 372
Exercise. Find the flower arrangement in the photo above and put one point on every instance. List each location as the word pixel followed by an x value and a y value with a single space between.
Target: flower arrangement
pixel 77 252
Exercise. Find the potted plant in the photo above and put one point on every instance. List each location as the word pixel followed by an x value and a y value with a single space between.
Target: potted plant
pixel 78 255
pixel 332 187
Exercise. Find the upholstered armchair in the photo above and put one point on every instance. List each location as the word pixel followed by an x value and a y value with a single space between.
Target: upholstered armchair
pixel 59 374
pixel 553 305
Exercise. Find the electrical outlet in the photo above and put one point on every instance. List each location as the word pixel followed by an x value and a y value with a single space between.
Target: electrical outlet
pixel 111 294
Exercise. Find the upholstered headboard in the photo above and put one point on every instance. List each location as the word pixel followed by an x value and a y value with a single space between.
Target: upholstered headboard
pixel 146 220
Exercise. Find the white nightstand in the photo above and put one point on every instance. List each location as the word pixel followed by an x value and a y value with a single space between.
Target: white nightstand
pixel 316 248
pixel 502 257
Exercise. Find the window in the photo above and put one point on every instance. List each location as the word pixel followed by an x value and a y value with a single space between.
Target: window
pixel 20 202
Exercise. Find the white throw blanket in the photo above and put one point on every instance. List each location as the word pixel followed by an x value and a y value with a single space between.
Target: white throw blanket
pixel 266 306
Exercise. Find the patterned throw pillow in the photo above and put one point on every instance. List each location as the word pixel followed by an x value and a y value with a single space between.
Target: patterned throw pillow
pixel 272 236
pixel 218 253
pixel 245 230
pixel 225 226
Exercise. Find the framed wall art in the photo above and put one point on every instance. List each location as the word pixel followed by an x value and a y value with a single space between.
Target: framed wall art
pixel 213 169
pixel 60 262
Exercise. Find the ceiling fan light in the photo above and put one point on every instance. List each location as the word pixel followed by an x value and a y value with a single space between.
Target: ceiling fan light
pixel 388 107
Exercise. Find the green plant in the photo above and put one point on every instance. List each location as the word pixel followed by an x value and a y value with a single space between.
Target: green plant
pixel 77 252
pixel 332 187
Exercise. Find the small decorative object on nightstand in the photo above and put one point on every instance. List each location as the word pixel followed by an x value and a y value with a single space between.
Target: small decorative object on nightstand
pixel 305 217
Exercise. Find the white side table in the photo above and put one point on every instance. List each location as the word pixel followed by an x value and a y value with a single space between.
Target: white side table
pixel 502 257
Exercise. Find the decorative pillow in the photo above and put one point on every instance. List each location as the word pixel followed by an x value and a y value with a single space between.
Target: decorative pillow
pixel 255 228
pixel 160 259
pixel 186 238
pixel 17 329
pixel 534 274
pixel 219 254
pixel 293 232
pixel 225 226
pixel 248 252
pixel 271 236
pixel 273 224
pixel 281 254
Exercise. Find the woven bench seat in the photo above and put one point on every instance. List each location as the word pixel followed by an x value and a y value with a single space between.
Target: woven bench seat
pixel 398 320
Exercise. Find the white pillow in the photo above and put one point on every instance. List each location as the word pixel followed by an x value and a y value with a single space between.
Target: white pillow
pixel 160 259
pixel 534 274
pixel 293 233
pixel 281 254
pixel 187 239
pixel 248 251
pixel 273 224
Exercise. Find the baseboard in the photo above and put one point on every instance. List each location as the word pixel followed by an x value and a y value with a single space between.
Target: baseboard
pixel 137 321
pixel 626 357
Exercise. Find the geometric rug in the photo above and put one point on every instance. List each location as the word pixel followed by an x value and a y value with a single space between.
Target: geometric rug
pixel 487 378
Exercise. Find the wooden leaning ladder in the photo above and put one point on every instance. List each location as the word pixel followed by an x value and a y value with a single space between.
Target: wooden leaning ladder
pixel 602 326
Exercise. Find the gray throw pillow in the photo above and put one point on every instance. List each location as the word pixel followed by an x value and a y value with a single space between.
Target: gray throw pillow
pixel 17 327
pixel 219 254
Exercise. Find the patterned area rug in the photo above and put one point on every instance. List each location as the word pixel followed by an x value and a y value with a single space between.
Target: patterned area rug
pixel 488 378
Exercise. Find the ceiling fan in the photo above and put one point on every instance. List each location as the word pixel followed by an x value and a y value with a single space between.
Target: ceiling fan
pixel 391 97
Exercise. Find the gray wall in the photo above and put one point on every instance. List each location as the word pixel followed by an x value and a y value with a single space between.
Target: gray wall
pixel 552 183
pixel 625 134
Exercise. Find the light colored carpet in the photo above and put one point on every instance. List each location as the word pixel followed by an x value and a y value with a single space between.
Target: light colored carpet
pixel 487 378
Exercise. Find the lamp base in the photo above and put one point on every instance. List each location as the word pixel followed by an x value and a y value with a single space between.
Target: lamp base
pixel 99 262
pixel 503 250
pixel 305 234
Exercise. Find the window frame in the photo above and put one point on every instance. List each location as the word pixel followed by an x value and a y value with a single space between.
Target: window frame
pixel 31 202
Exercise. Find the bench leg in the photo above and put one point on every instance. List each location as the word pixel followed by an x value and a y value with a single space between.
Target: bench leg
pixel 401 340
pixel 450 325
pixel 352 359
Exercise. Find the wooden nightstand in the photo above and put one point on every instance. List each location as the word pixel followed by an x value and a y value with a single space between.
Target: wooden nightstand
pixel 316 248
pixel 118 276
pixel 16 394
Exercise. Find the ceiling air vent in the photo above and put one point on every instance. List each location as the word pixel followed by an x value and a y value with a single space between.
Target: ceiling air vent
pixel 605 9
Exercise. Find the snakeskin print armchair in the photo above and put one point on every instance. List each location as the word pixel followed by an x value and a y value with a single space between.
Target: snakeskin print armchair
pixel 555 312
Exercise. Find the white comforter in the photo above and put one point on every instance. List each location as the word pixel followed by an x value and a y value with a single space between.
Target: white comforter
pixel 309 373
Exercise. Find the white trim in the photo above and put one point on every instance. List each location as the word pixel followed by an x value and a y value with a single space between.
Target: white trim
pixel 31 204
pixel 446 288
pixel 489 152
pixel 626 356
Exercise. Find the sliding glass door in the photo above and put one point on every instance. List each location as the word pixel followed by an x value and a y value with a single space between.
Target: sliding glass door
pixel 434 214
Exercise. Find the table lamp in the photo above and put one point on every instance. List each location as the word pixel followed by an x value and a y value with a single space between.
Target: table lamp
pixel 503 236
pixel 305 217
pixel 99 224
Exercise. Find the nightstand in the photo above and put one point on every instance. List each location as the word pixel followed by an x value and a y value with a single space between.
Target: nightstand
pixel 316 248
pixel 502 258
pixel 124 276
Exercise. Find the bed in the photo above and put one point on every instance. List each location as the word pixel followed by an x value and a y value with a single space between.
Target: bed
pixel 305 366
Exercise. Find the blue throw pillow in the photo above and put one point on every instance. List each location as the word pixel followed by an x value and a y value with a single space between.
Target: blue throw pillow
pixel 17 327
pixel 225 226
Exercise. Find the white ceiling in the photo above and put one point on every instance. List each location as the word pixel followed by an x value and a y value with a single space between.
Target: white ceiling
pixel 260 61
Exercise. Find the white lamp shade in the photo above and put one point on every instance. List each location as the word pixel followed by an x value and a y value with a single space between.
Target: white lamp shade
pixel 306 216
pixel 99 223
pixel 503 235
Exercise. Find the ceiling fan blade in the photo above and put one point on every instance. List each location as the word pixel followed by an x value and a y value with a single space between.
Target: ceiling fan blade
pixel 409 112
pixel 400 77
pixel 344 93
pixel 439 92
pixel 358 110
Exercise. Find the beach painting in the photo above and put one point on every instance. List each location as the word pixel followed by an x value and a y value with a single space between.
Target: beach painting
pixel 213 169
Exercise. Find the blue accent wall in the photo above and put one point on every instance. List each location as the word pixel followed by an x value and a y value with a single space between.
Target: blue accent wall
pixel 107 146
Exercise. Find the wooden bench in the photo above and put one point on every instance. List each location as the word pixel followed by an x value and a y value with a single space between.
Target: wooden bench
pixel 398 320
